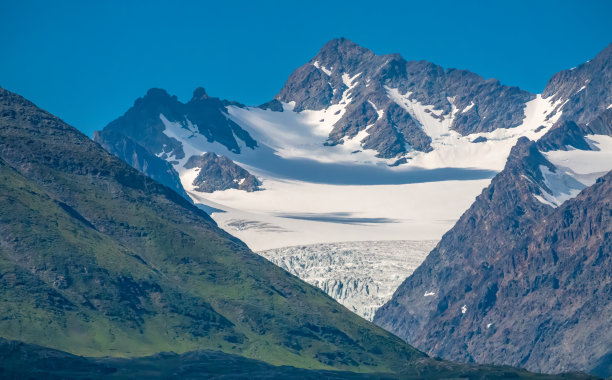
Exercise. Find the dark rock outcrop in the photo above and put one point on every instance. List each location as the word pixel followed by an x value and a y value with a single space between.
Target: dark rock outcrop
pixel 142 123
pixel 516 281
pixel 138 136
pixel 220 173
pixel 583 92
pixel 564 135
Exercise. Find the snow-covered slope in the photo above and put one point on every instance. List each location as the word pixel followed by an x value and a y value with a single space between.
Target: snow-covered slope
pixel 361 147
pixel 575 169
pixel 356 146
pixel 360 275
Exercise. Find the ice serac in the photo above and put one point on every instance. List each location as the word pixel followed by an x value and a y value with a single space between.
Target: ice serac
pixel 99 260
pixel 347 74
pixel 523 278
pixel 361 275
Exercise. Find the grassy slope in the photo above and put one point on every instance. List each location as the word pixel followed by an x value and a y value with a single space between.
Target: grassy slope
pixel 100 260
pixel 19 360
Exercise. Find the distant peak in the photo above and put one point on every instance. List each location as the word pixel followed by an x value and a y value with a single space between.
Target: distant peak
pixel 157 93
pixel 156 96
pixel 340 49
pixel 340 42
pixel 199 94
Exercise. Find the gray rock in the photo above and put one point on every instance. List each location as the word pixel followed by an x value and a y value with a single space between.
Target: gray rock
pixel 138 136
pixel 516 281
pixel 141 159
pixel 220 173
pixel 564 135
pixel 272 105
pixel 142 122
pixel 319 84
pixel 583 92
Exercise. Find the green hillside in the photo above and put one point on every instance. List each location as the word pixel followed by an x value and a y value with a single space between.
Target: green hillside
pixel 98 260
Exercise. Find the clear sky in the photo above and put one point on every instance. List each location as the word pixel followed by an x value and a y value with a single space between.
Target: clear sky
pixel 88 61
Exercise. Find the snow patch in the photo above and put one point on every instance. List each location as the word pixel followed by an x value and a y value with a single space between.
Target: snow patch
pixel 562 187
pixel 576 169
pixel 435 128
pixel 380 112
pixel 469 107
pixel 348 80
pixel 450 149
pixel 322 68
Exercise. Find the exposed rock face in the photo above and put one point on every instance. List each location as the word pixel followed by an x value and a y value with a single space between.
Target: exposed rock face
pixel 344 72
pixel 523 278
pixel 141 159
pixel 138 138
pixel 564 135
pixel 517 281
pixel 142 122
pixel 360 275
pixel 584 92
pixel 602 124
pixel 220 173
pixel 95 257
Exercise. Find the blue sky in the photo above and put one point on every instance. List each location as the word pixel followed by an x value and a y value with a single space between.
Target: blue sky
pixel 88 61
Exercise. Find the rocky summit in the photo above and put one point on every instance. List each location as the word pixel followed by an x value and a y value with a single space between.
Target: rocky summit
pixel 97 260
pixel 346 73
pixel 523 278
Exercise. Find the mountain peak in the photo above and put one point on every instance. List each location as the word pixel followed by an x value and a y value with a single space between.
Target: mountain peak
pixel 525 158
pixel 156 96
pixel 199 94
pixel 157 93
pixel 341 52
pixel 340 43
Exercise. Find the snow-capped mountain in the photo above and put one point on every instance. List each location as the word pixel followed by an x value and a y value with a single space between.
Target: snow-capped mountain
pixel 348 117
pixel 395 107
pixel 355 147
pixel 523 278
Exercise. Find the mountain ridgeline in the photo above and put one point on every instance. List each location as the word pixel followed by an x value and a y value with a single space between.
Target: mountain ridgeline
pixel 108 268
pixel 98 260
pixel 378 101
pixel 138 138
pixel 343 69
pixel 524 277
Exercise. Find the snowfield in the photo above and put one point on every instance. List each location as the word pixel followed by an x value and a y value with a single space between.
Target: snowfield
pixel 289 213
pixel 313 193
pixel 576 169
pixel 362 276
pixel 345 220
